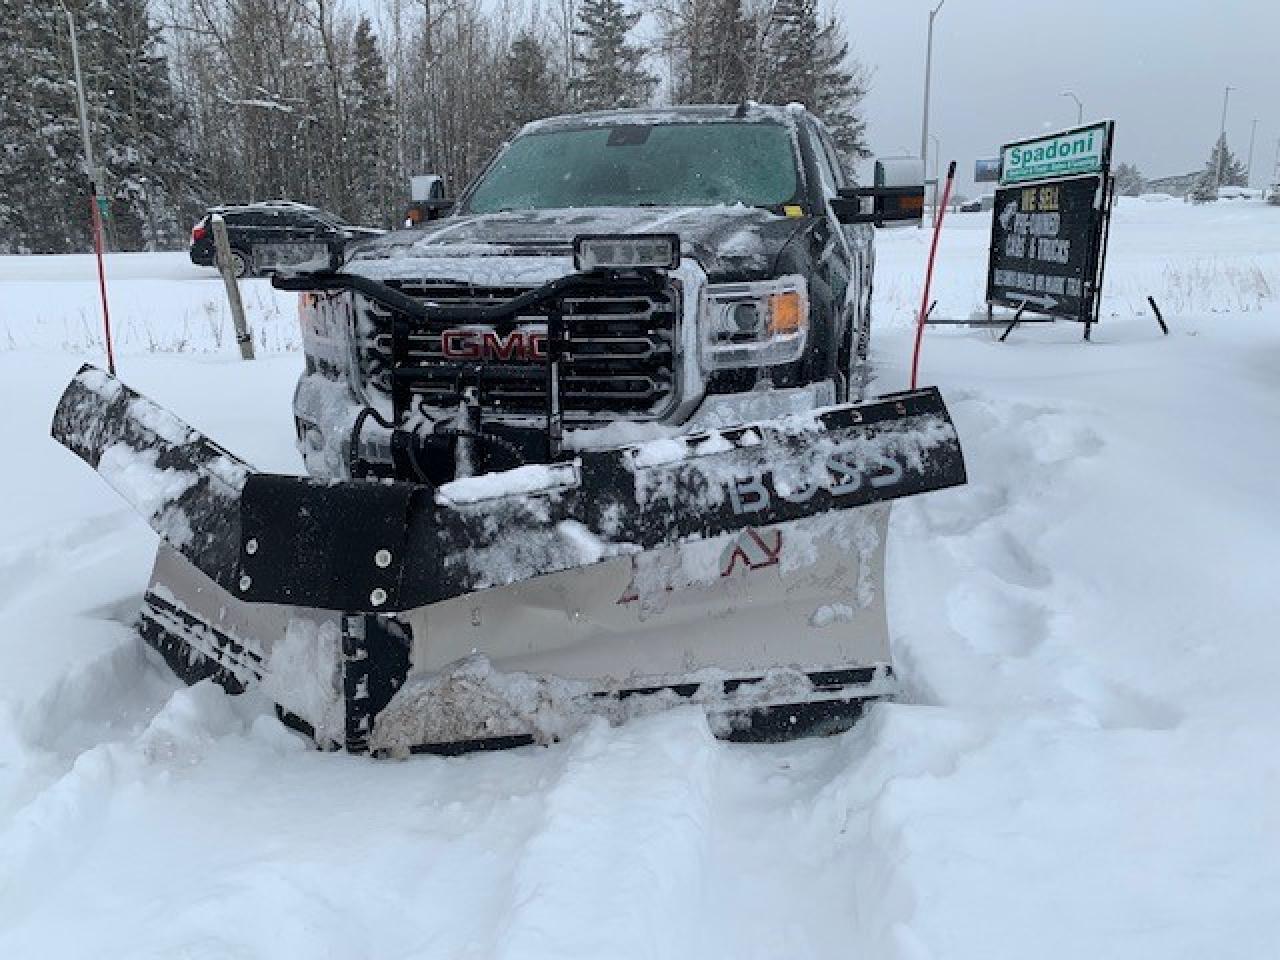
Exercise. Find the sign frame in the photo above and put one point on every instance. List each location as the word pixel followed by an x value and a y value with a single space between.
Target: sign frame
pixel 1097 236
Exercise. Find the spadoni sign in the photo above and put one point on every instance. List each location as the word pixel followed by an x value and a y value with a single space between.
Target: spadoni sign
pixel 1084 150
pixel 1049 225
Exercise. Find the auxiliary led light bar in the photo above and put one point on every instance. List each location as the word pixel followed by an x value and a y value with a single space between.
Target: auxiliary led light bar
pixel 626 251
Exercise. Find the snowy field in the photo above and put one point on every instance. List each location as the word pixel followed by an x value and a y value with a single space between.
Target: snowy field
pixel 1084 763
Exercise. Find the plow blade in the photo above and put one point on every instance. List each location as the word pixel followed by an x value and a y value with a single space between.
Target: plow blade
pixel 621 574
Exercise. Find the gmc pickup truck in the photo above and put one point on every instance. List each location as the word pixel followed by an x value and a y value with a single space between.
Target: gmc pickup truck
pixel 590 440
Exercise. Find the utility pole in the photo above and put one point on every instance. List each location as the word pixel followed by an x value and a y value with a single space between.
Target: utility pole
pixel 96 202
pixel 928 69
pixel 1222 142
pixel 937 170
pixel 1079 107
pixel 1248 170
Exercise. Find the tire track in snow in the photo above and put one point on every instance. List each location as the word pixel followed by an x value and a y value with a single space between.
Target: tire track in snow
pixel 617 865
pixel 782 880
pixel 810 838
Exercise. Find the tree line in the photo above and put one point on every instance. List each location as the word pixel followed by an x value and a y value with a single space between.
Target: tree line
pixel 197 102
pixel 1222 169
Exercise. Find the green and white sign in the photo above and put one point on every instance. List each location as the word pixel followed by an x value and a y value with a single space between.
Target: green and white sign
pixel 1057 155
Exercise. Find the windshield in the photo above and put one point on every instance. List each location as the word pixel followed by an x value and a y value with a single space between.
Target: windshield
pixel 668 164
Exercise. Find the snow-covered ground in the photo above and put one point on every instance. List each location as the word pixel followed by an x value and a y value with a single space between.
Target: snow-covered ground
pixel 1084 765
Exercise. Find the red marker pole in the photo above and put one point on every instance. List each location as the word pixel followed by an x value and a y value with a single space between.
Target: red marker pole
pixel 102 277
pixel 928 276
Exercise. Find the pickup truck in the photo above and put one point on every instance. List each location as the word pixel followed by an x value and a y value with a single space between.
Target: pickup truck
pixel 588 441
pixel 768 310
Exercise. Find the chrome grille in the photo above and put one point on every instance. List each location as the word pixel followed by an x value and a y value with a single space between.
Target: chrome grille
pixel 618 356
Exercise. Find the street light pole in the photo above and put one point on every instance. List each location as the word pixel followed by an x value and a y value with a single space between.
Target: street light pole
pixel 92 171
pixel 937 169
pixel 1079 107
pixel 1248 170
pixel 1222 142
pixel 928 69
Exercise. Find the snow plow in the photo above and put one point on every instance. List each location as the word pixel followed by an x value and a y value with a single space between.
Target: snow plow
pixel 739 568
pixel 591 444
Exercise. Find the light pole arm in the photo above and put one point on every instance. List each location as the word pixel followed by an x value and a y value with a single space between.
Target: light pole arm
pixel 1079 106
pixel 928 70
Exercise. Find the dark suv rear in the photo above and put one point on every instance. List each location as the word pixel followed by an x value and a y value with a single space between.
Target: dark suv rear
pixel 276 222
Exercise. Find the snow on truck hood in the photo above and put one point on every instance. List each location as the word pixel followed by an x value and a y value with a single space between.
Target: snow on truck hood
pixel 729 242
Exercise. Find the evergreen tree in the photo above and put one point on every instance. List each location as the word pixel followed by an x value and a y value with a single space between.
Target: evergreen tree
pixel 1222 159
pixel 810 66
pixel 528 87
pixel 611 71
pixel 151 168
pixel 43 190
pixel 1129 180
pixel 711 44
pixel 793 32
pixel 370 143
pixel 838 91
pixel 144 165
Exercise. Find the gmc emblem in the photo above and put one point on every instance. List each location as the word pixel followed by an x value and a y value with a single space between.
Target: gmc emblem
pixel 488 345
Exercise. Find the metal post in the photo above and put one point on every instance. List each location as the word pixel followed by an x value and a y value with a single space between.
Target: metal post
pixel 928 69
pixel 1079 107
pixel 1164 327
pixel 937 172
pixel 223 247
pixel 1222 142
pixel 94 201
pixel 1248 169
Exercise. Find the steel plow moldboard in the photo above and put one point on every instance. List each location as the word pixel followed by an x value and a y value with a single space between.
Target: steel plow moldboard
pixel 1044 247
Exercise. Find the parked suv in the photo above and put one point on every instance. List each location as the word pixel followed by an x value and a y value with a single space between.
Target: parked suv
pixel 280 221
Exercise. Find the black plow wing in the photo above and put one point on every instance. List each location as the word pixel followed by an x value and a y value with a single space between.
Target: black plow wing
pixel 375 546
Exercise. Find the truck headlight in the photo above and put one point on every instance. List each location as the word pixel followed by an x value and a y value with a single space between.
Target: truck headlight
pixel 755 324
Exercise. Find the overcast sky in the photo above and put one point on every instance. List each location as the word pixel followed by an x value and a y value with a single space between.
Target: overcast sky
pixel 999 69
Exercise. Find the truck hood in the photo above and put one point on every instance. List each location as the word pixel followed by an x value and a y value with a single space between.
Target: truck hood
pixel 730 243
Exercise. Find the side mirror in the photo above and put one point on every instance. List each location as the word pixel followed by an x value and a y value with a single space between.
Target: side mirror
pixel 426 186
pixel 896 197
pixel 421 211
pixel 426 190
